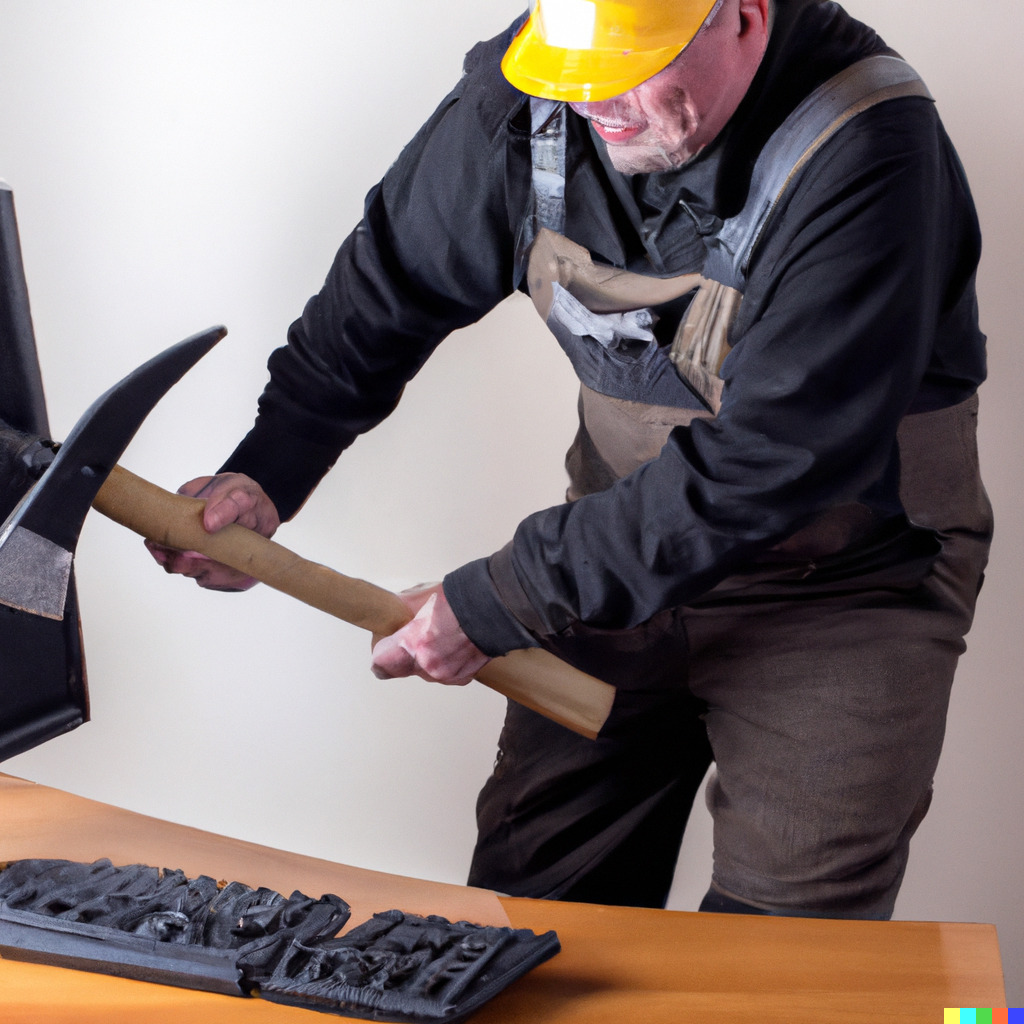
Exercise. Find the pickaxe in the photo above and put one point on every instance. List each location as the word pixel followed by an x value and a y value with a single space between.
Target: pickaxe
pixel 38 540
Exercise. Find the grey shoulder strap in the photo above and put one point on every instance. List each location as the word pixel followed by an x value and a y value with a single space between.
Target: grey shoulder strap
pixel 547 182
pixel 547 149
pixel 823 113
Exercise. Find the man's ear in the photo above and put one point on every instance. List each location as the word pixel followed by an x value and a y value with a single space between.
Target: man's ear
pixel 755 17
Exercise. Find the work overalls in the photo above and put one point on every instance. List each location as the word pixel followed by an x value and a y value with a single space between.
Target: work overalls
pixel 817 682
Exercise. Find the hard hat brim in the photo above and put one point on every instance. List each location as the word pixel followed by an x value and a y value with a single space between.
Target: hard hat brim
pixel 535 67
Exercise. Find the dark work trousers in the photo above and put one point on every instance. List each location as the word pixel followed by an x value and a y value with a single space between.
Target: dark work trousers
pixel 823 710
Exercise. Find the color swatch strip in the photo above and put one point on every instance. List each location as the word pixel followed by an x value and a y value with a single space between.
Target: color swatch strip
pixel 965 1016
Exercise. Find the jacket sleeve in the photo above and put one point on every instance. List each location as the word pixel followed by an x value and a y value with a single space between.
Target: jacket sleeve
pixel 861 295
pixel 432 253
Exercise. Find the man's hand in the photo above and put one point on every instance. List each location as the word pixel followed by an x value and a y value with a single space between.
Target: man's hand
pixel 431 646
pixel 230 498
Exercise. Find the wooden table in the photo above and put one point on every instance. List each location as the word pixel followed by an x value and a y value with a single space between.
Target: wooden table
pixel 617 965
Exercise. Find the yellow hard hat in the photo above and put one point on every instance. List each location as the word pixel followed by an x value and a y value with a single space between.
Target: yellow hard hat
pixel 581 50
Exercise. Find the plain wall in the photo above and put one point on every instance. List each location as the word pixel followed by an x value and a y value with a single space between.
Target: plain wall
pixel 178 164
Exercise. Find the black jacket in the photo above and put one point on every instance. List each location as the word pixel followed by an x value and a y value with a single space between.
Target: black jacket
pixel 859 308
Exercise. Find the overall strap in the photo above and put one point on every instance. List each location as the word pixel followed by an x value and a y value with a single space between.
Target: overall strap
pixel 823 113
pixel 703 339
pixel 547 154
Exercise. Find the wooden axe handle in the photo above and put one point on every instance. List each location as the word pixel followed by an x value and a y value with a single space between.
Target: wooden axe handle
pixel 532 677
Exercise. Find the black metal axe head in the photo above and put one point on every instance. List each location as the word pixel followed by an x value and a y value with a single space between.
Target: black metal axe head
pixel 38 540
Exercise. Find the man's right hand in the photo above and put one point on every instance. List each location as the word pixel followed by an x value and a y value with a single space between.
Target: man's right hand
pixel 230 498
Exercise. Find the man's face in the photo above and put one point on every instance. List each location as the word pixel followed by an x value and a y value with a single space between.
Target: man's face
pixel 667 120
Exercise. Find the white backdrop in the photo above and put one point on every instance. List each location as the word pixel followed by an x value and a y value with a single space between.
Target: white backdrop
pixel 178 164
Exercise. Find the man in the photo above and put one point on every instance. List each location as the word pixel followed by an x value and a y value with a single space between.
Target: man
pixel 754 241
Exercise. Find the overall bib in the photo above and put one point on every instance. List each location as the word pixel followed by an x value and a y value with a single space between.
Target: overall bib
pixel 817 682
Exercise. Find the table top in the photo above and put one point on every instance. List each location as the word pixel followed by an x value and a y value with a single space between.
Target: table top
pixel 617 964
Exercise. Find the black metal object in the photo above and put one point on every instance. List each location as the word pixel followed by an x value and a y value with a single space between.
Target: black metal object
pixel 160 926
pixel 43 689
